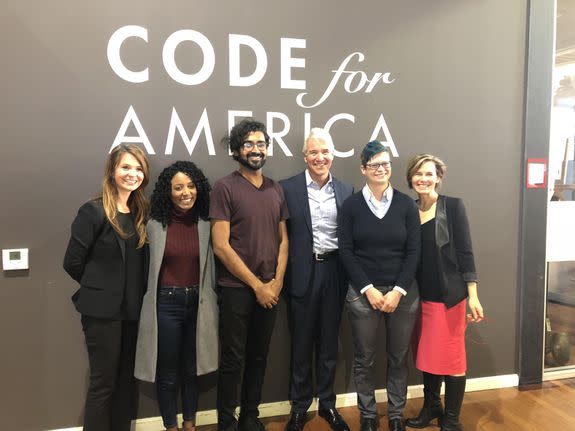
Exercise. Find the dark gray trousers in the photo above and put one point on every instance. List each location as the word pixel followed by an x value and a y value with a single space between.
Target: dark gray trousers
pixel 399 328
pixel 314 324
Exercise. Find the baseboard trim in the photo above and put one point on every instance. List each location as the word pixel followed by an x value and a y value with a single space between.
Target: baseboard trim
pixel 208 417
pixel 557 374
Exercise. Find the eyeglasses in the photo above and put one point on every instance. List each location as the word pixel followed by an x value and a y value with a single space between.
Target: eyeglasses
pixel 376 166
pixel 248 145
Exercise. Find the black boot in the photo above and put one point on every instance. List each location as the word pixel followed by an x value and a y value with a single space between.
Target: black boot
pixel 431 402
pixel 454 391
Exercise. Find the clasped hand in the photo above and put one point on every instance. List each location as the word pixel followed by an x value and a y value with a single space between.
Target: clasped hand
pixel 386 303
pixel 267 294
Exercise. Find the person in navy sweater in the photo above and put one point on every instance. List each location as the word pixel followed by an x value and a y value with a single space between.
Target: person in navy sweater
pixel 379 243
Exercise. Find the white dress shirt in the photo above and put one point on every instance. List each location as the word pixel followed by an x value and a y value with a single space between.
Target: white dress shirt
pixel 323 210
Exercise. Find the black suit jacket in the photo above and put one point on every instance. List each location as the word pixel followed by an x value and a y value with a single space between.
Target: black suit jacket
pixel 95 258
pixel 456 264
pixel 298 273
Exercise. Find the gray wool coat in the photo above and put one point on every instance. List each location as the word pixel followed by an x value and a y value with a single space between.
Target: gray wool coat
pixel 207 326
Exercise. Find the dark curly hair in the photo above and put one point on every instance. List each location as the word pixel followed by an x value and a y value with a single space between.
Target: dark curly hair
pixel 240 131
pixel 161 206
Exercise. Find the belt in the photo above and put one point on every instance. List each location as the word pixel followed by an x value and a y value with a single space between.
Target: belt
pixel 320 257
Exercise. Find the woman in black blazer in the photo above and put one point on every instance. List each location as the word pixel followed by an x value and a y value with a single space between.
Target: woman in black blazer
pixel 107 255
pixel 446 277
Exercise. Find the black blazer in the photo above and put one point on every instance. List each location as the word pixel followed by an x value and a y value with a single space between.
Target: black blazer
pixel 455 264
pixel 95 259
pixel 298 272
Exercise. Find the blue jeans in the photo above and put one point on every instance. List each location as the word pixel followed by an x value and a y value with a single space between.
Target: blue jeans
pixel 177 316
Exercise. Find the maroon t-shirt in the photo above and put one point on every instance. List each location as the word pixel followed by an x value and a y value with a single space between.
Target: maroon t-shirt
pixel 254 215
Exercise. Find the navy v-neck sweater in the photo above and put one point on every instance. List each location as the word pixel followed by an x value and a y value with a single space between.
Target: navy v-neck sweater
pixel 382 252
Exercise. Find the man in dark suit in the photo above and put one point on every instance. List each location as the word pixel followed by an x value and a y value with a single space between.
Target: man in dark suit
pixel 315 282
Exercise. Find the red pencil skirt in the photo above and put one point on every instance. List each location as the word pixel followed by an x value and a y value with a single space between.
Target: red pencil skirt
pixel 440 345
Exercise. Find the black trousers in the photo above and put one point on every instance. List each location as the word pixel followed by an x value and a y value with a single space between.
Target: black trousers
pixel 314 323
pixel 245 332
pixel 111 400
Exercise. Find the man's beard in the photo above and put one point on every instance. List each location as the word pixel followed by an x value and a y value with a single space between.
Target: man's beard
pixel 252 166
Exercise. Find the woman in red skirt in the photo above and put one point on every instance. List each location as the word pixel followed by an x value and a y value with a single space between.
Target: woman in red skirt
pixel 446 277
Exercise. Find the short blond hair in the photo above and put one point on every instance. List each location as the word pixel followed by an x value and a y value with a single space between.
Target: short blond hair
pixel 416 162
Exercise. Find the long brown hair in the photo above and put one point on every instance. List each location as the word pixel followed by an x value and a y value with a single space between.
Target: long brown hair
pixel 137 202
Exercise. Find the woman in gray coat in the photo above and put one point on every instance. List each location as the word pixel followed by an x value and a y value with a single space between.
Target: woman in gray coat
pixel 178 335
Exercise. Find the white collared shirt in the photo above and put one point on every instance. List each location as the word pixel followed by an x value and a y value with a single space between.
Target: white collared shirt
pixel 379 209
pixel 323 211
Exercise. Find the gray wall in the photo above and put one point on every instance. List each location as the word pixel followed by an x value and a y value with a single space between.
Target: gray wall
pixel 458 92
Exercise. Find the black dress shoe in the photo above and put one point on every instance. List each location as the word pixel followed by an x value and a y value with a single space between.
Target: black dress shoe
pixel 396 425
pixel 368 424
pixel 296 421
pixel 334 419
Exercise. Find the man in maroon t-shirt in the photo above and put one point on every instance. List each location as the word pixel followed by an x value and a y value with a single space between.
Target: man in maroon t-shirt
pixel 248 214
